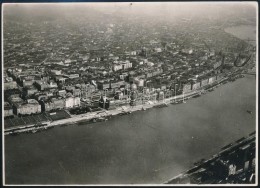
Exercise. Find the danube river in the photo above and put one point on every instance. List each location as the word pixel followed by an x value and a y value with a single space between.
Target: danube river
pixel 144 147
pixel 244 32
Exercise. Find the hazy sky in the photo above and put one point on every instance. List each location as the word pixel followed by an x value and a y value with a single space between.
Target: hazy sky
pixel 144 6
pixel 171 9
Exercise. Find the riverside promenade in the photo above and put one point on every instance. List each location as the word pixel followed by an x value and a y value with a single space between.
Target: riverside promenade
pixel 108 113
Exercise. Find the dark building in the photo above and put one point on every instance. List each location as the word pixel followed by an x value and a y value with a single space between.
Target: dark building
pixel 104 103
pixel 133 97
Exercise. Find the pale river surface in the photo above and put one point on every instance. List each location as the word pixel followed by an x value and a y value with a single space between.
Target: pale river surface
pixel 245 32
pixel 144 147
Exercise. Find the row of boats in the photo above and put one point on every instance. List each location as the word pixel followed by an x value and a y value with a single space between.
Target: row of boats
pixel 36 128
pixel 236 77
pixel 44 128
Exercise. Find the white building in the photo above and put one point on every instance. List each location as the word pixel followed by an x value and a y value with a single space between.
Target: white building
pixel 150 64
pixel 126 65
pixel 71 102
pixel 56 72
pixel 133 53
pixel 187 51
pixel 158 50
pixel 119 65
pixel 71 76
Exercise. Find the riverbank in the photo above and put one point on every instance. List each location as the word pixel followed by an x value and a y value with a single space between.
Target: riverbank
pixel 103 115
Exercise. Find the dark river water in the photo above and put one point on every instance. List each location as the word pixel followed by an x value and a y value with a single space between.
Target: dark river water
pixel 144 147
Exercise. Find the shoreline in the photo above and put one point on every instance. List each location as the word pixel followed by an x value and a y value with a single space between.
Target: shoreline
pixel 239 37
pixel 102 115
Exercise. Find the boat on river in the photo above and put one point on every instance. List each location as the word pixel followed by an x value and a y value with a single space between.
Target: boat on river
pixel 211 89
pixel 124 113
pixel 34 131
pixel 183 101
pixel 100 119
pixel 162 105
pixel 249 111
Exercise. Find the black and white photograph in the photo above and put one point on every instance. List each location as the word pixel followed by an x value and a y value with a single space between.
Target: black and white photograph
pixel 130 93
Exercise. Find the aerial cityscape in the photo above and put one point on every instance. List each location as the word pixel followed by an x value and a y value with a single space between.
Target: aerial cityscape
pixel 129 93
